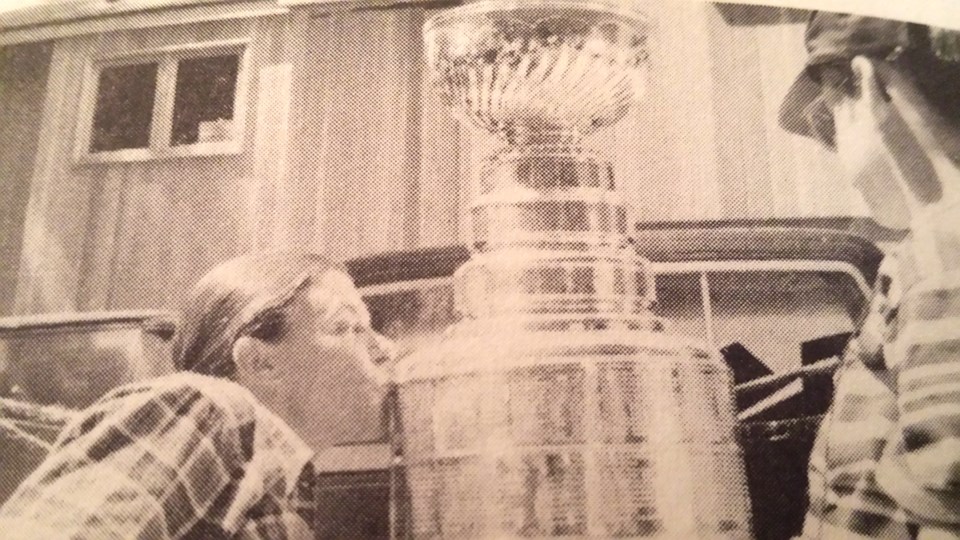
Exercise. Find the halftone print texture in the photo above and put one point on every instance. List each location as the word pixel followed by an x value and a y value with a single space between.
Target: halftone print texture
pixel 627 302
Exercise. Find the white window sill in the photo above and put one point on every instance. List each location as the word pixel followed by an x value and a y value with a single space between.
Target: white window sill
pixel 131 155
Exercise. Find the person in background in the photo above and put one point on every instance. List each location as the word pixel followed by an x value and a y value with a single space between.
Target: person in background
pixel 885 95
pixel 276 359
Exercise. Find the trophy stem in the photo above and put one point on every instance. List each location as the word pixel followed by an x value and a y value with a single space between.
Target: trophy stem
pixel 527 138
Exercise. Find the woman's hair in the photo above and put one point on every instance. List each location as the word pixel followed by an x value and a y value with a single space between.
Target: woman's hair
pixel 243 296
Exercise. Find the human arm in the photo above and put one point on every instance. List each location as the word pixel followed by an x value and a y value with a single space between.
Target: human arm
pixel 168 459
pixel 921 465
pixel 923 144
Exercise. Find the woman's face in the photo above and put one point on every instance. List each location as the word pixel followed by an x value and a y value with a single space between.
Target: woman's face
pixel 329 367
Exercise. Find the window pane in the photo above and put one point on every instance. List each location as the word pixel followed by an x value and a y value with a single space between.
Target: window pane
pixel 679 300
pixel 773 313
pixel 124 107
pixel 203 106
pixel 413 317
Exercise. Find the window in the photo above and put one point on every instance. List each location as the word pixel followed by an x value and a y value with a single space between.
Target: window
pixel 772 313
pixel 772 309
pixel 165 102
pixel 204 99
pixel 413 314
pixel 124 109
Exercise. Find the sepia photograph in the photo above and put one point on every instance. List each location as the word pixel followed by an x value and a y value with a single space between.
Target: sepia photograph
pixel 479 269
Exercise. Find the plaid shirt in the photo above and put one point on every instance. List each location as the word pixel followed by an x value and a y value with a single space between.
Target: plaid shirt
pixel 183 456
pixel 886 462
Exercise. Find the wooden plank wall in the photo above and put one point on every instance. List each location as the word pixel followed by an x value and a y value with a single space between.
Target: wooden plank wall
pixel 705 144
pixel 349 152
pixel 358 144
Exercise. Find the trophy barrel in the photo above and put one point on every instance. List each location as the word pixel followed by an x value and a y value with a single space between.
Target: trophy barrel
pixel 559 434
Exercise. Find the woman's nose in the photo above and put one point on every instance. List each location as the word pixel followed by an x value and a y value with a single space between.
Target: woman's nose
pixel 382 349
pixel 381 354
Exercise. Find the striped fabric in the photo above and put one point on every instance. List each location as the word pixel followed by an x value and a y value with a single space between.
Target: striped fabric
pixel 886 462
pixel 183 456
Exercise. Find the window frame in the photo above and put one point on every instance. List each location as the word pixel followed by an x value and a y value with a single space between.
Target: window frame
pixel 702 269
pixel 161 126
pixel 697 268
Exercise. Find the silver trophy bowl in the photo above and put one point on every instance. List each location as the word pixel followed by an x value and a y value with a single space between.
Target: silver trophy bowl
pixel 539 68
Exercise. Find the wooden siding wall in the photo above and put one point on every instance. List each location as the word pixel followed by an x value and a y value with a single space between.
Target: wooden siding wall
pixel 348 151
pixel 358 148
pixel 131 234
pixel 706 144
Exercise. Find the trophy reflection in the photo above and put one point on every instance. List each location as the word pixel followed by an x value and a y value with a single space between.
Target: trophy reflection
pixel 560 405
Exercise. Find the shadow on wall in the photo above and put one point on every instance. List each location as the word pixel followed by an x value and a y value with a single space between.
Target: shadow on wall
pixel 23 78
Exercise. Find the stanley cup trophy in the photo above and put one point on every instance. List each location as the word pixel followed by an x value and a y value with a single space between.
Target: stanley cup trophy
pixel 559 406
